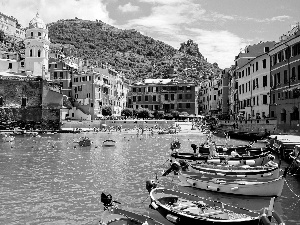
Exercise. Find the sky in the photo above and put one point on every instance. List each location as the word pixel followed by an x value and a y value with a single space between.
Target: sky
pixel 221 28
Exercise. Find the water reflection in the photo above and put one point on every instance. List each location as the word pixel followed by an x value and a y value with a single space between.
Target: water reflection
pixel 51 180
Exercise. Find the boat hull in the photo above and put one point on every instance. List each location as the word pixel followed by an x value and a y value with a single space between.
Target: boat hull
pixel 256 160
pixel 211 217
pixel 270 187
pixel 236 171
pixel 109 143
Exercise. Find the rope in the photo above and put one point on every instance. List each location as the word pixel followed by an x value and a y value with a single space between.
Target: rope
pixel 298 196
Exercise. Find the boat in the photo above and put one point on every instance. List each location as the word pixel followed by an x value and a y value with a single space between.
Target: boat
pixel 183 208
pixel 8 138
pixel 253 160
pixel 109 143
pixel 270 169
pixel 84 142
pixel 113 215
pixel 233 185
pixel 295 157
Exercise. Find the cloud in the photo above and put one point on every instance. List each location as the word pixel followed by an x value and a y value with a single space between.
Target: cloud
pixel 280 18
pixel 51 11
pixel 128 8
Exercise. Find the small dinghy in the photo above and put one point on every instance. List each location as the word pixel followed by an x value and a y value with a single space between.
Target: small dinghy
pixel 84 142
pixel 109 143
pixel 270 169
pixel 113 215
pixel 183 208
pixel 8 138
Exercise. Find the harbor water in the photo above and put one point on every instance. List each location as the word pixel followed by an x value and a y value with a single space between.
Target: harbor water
pixel 49 179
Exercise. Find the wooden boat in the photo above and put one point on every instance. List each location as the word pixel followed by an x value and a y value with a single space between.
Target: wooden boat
pixel 254 187
pixel 183 208
pixel 224 149
pixel 253 160
pixel 84 142
pixel 109 143
pixel 113 215
pixel 270 170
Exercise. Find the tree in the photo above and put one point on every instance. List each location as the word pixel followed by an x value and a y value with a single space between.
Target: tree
pixel 144 113
pixel 106 111
pixel 127 112
pixel 2 36
pixel 158 114
pixel 135 112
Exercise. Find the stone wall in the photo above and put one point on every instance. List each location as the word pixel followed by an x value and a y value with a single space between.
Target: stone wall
pixel 40 111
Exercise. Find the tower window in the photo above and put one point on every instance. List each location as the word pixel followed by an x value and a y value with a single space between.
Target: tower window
pixel 39 34
pixel 1 101
pixel 39 53
pixel 9 65
pixel 30 53
pixel 24 101
pixel 31 34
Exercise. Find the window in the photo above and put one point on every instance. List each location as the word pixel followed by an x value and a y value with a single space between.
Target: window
pixel 39 53
pixel 76 96
pixel 172 97
pixel 299 71
pixel 278 95
pixel 188 88
pixel 180 96
pixel 92 104
pixel 1 101
pixel 139 98
pixel 285 77
pixel 188 105
pixel 215 97
pixel 31 34
pixel 179 105
pixel 134 98
pixel 9 65
pixel 188 96
pixel 133 89
pixel 24 101
pixel 264 63
pixel 278 78
pixel 30 52
pixel 293 74
pixel 265 81
pixel 253 84
pixel 267 49
pixel 146 98
pixel 256 65
pixel 154 98
pixel 55 65
pixel 257 83
pixel 61 75
pixel 166 97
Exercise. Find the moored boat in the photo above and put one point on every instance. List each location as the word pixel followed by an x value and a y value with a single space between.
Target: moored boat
pixel 114 216
pixel 253 160
pixel 270 169
pixel 84 142
pixel 183 208
pixel 241 186
pixel 8 138
pixel 109 143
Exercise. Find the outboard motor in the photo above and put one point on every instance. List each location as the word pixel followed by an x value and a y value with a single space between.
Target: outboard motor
pixel 150 184
pixel 106 200
pixel 175 166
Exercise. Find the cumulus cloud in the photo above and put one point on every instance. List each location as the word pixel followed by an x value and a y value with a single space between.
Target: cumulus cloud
pixel 51 11
pixel 129 8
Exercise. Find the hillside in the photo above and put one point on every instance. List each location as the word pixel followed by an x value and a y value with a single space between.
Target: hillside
pixel 137 55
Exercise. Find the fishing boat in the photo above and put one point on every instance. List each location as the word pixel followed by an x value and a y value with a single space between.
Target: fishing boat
pixel 252 160
pixel 113 215
pixel 84 142
pixel 183 208
pixel 109 143
pixel 233 185
pixel 270 169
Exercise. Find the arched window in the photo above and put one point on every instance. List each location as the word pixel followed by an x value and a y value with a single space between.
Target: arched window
pixel 30 53
pixel 39 34
pixel 31 34
pixel 39 53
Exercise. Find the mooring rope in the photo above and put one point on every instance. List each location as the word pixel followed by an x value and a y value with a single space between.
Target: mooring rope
pixel 298 196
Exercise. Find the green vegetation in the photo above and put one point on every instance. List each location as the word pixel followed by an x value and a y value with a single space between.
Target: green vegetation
pixel 136 55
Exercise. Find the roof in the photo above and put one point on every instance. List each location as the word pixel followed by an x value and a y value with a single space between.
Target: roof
pixel 37 22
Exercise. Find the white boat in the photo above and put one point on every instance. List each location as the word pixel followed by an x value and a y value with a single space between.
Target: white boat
pixel 270 170
pixel 8 138
pixel 254 187
pixel 109 143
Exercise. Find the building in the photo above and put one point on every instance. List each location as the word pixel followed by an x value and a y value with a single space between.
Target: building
pixel 9 62
pixel 223 93
pixel 10 26
pixel 243 71
pixel 164 95
pixel 285 80
pixel 98 87
pixel 37 48
pixel 254 88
